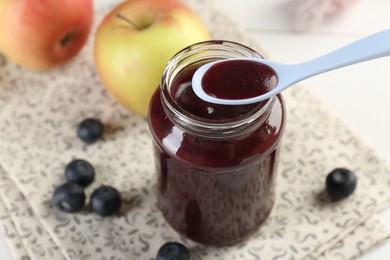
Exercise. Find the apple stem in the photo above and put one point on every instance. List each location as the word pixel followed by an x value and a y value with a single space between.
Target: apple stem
pixel 120 16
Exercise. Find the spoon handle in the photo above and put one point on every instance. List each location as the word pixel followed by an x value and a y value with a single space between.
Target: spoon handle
pixel 371 47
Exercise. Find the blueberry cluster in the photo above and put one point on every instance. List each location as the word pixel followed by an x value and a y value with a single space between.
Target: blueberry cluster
pixel 70 197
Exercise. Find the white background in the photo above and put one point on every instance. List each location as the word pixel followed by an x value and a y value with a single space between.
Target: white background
pixel 358 94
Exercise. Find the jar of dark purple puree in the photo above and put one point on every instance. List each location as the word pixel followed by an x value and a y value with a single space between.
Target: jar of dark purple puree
pixel 216 164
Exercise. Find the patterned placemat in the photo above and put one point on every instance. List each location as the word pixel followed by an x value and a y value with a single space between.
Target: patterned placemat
pixel 38 116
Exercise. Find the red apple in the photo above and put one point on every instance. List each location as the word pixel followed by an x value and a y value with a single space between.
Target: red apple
pixel 41 34
pixel 136 40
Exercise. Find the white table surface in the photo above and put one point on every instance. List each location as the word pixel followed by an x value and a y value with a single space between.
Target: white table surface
pixel 358 94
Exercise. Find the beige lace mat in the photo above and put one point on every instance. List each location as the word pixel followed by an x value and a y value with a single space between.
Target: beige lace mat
pixel 38 116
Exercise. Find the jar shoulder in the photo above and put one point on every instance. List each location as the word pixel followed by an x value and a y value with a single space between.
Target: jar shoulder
pixel 215 152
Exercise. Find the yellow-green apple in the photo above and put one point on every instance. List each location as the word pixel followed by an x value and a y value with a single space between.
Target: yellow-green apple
pixel 41 34
pixel 136 40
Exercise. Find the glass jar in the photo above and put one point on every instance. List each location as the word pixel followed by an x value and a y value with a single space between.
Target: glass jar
pixel 216 164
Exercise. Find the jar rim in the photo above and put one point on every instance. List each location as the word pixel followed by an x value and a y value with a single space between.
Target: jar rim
pixel 221 49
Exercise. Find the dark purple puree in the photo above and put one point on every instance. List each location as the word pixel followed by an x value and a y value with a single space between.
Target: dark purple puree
pixel 215 191
pixel 238 79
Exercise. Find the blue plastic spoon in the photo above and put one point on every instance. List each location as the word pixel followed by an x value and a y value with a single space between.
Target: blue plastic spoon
pixel 371 47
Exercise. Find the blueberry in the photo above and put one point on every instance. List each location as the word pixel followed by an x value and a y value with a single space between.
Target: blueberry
pixel 173 251
pixel 69 197
pixel 80 172
pixel 90 130
pixel 340 183
pixel 106 200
